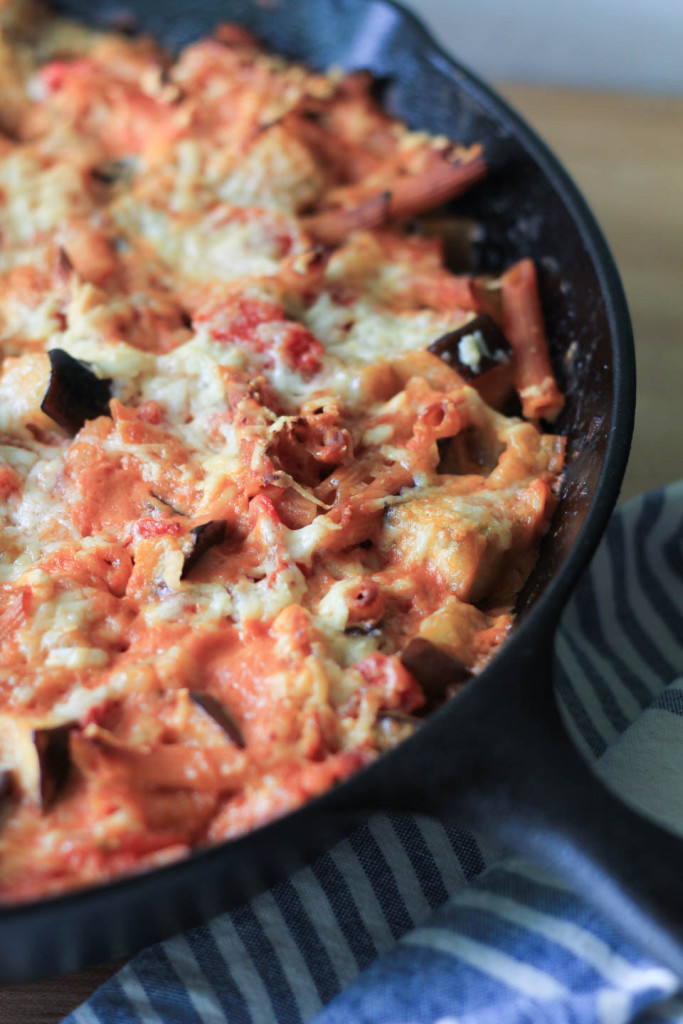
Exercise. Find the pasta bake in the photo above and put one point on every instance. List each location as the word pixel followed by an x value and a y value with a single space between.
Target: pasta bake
pixel 271 474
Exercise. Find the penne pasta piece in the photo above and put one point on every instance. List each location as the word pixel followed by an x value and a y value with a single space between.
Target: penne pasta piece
pixel 397 197
pixel 413 194
pixel 295 509
pixel 523 318
pixel 332 227
pixel 366 605
pixel 359 525
pixel 441 290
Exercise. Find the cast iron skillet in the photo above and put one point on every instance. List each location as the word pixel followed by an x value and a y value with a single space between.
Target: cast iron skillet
pixel 497 758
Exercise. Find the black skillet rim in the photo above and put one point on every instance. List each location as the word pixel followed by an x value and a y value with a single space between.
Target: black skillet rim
pixel 543 615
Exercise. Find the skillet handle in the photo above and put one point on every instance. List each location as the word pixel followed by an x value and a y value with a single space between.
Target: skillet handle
pixel 534 793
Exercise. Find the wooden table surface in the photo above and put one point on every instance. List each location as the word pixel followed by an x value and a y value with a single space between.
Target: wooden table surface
pixel 626 154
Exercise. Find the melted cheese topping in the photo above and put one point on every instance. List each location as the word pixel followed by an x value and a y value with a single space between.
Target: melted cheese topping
pixel 206 585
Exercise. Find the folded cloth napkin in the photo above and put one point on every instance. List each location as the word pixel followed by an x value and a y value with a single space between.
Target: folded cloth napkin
pixel 412 922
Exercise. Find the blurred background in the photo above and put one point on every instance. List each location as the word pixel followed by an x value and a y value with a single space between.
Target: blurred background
pixel 605 44
pixel 602 83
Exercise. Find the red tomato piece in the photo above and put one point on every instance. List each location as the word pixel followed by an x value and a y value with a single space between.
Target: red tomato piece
pixel 302 351
pixel 158 527
pixel 55 74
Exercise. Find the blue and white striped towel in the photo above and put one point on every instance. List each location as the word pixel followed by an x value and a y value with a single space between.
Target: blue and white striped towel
pixel 405 922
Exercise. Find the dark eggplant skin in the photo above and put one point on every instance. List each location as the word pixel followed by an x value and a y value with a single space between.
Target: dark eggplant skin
pixel 74 394
pixel 113 172
pixel 447 347
pixel 437 672
pixel 212 707
pixel 206 536
pixel 52 747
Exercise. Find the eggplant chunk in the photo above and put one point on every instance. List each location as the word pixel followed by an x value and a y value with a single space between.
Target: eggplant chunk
pixel 38 758
pixel 457 236
pixel 216 711
pixel 439 674
pixel 206 536
pixel 114 172
pixel 473 349
pixel 52 747
pixel 393 726
pixel 75 394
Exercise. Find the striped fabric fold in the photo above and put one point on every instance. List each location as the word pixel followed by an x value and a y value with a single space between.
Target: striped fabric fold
pixel 412 922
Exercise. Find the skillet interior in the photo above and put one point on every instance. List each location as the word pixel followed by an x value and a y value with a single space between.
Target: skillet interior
pixel 529 208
